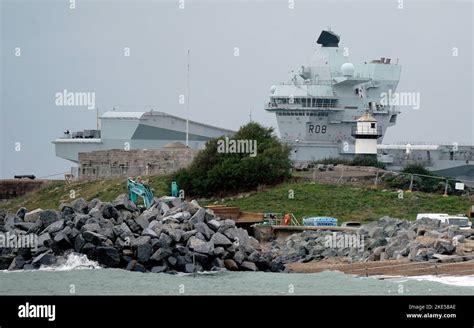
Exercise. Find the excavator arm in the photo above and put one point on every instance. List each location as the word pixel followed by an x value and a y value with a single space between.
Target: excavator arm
pixel 137 189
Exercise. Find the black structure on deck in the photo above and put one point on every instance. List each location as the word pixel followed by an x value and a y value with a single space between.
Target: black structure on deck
pixel 328 39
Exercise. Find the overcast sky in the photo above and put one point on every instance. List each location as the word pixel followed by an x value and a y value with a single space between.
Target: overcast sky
pixel 83 50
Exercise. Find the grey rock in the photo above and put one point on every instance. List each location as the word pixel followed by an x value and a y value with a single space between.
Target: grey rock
pixel 376 233
pixel 149 232
pixel 123 202
pixel 110 212
pixel 191 268
pixel 226 224
pixel 458 239
pixel 44 259
pixel 444 247
pixel 55 226
pixel 93 237
pixel 144 252
pixel 172 261
pixel 188 234
pixel 122 230
pixel 220 240
pixel 80 205
pixel 175 234
pixel 21 213
pixel 159 269
pixel 239 257
pixel 214 224
pixel 219 251
pixel 161 254
pixel 198 216
pixel 142 222
pixel 108 256
pixel 204 229
pixel 62 242
pixel 94 227
pixel 164 240
pixel 80 220
pixel 45 240
pixel 142 240
pixel 433 234
pixel 200 246
pixel 424 254
pixel 17 263
pixel 248 266
pixel 79 242
pixel 133 225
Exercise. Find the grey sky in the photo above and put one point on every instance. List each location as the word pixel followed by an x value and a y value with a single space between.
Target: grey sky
pixel 82 50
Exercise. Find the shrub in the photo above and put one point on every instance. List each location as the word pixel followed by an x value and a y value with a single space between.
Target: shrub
pixel 217 173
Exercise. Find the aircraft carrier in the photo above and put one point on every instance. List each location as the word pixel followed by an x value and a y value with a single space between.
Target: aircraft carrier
pixel 136 130
pixel 316 113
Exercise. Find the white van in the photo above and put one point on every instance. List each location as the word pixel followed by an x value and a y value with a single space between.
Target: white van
pixel 459 220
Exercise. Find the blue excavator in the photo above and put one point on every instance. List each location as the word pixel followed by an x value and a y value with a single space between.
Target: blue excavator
pixel 138 189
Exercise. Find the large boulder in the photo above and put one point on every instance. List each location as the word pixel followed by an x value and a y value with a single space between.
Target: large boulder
pixel 444 247
pixel 44 259
pixel 220 240
pixel 108 256
pixel 93 237
pixel 55 227
pixel 17 263
pixel 123 202
pixel 248 266
pixel 161 254
pixel 204 229
pixel 200 246
pixel 144 252
pixel 80 205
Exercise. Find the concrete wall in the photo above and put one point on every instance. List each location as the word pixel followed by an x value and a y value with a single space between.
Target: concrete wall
pixel 106 164
pixel 12 188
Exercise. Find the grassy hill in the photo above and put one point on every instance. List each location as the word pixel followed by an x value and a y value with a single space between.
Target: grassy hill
pixel 341 201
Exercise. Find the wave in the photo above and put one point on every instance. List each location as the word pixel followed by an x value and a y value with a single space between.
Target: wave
pixel 73 261
pixel 462 281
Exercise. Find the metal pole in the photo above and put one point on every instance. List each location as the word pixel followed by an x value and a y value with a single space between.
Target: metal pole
pixel 446 189
pixel 187 104
pixel 410 189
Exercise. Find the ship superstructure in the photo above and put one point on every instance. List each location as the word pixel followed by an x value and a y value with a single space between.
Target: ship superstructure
pixel 318 109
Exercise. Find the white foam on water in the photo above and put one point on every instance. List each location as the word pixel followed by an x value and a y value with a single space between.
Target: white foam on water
pixel 73 261
pixel 464 281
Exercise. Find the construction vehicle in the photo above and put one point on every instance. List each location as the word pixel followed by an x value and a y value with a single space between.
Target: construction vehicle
pixel 459 220
pixel 136 189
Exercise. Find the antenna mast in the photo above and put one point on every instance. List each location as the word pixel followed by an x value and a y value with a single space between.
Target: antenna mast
pixel 187 105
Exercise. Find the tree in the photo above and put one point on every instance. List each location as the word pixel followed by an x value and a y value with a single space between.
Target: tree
pixel 222 169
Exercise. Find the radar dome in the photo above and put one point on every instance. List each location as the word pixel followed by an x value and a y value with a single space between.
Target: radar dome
pixel 347 69
pixel 273 89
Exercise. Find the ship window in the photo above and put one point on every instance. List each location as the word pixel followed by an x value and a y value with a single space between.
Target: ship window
pixel 372 125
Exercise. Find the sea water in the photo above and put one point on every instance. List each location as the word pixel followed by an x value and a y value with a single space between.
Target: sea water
pixel 79 276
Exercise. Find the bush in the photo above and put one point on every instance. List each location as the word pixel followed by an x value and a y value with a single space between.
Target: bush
pixel 218 173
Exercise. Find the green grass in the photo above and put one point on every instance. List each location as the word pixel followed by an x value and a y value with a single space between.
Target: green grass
pixel 347 203
pixel 341 201
pixel 58 192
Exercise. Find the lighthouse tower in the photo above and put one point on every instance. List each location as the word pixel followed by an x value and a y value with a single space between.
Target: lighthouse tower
pixel 366 132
